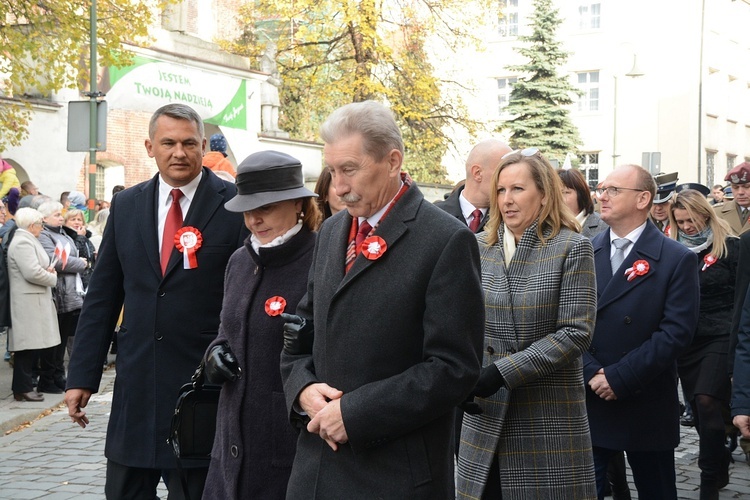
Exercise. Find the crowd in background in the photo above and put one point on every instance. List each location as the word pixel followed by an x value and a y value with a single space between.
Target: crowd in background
pixel 49 250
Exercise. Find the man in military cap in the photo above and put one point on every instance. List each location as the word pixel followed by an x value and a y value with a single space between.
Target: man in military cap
pixel 735 211
pixel 665 184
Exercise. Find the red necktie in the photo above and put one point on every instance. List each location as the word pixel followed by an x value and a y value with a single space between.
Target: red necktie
pixel 474 224
pixel 171 225
pixel 364 230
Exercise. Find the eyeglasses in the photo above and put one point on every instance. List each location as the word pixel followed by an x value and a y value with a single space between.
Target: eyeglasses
pixel 524 152
pixel 613 191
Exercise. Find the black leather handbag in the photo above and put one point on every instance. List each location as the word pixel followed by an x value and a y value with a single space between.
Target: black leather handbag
pixel 194 421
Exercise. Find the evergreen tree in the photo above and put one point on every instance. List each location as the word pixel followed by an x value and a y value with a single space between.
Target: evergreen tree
pixel 538 99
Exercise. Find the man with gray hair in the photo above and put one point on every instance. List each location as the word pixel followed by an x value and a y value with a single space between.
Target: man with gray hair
pixel 395 309
pixel 171 304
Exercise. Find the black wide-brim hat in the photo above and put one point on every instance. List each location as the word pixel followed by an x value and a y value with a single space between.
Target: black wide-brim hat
pixel 267 177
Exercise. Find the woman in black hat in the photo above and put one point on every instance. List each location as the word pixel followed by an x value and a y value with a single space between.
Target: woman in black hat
pixel 703 366
pixel 255 444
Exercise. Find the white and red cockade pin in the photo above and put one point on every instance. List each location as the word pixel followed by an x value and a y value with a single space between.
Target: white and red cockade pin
pixel 188 240
pixel 373 247
pixel 275 305
pixel 640 267
pixel 708 261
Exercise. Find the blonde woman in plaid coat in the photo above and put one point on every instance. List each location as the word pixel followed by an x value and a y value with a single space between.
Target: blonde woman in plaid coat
pixel 532 438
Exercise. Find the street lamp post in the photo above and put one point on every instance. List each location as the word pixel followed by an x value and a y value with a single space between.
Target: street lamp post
pixel 634 72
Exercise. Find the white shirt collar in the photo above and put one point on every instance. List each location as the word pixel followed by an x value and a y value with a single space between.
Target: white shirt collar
pixel 375 218
pixel 467 208
pixel 188 190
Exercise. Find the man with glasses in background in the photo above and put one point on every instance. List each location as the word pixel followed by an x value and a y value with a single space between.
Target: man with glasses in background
pixel 647 311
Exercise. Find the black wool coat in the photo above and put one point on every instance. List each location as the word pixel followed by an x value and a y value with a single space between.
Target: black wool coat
pixel 255 443
pixel 169 320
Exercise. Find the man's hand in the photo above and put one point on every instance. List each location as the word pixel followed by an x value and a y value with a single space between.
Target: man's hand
pixel 600 386
pixel 329 425
pixel 742 422
pixel 315 397
pixel 76 399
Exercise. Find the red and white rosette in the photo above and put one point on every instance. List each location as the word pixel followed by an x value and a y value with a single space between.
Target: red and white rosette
pixel 640 267
pixel 275 305
pixel 188 240
pixel 373 247
pixel 708 261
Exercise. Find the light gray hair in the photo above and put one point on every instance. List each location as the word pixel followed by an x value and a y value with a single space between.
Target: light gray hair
pixel 50 207
pixel 372 120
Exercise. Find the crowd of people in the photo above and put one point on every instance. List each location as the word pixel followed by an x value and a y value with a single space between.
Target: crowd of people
pixel 524 331
pixel 46 270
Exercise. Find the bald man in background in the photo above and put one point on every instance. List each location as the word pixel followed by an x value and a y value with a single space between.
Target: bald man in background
pixel 470 203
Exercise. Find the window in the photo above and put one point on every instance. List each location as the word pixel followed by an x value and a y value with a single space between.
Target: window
pixel 588 82
pixel 99 190
pixel 589 16
pixel 731 159
pixel 508 19
pixel 710 162
pixel 504 87
pixel 589 167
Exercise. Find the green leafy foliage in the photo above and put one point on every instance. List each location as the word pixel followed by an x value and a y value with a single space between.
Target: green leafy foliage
pixel 538 100
pixel 333 52
pixel 45 46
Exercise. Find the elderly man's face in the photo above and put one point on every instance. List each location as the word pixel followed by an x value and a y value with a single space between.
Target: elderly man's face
pixel 362 183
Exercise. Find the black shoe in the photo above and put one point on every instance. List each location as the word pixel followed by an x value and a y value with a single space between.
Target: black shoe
pixel 60 382
pixel 687 421
pixel 49 388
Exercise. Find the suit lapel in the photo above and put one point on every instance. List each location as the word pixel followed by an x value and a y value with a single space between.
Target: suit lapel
pixel 208 199
pixel 145 206
pixel 391 229
pixel 648 248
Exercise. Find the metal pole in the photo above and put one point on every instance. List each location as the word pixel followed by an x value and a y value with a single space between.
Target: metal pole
pixel 93 94
pixel 700 98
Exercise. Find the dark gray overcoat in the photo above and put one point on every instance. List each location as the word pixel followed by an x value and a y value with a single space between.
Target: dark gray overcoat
pixel 254 445
pixel 401 337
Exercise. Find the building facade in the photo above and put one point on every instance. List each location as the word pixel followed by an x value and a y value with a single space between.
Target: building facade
pixel 683 106
pixel 181 65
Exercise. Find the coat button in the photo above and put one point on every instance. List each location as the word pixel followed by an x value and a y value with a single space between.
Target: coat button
pixel 490 349
pixel 162 293
pixel 592 350
pixel 158 336
pixel 627 320
pixel 234 451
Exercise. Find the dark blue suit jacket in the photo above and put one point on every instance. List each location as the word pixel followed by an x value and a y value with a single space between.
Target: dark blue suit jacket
pixel 641 327
pixel 168 322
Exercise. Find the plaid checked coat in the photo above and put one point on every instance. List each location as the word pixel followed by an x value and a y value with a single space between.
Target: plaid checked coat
pixel 540 314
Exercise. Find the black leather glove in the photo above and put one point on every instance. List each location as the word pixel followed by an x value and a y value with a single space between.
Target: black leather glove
pixel 490 381
pixel 298 335
pixel 221 365
pixel 470 406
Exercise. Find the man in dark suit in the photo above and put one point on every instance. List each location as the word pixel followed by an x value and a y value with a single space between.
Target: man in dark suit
pixel 647 311
pixel 470 203
pixel 171 304
pixel 395 347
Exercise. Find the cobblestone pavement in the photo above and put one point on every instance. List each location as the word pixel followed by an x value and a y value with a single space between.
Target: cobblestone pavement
pixel 55 459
